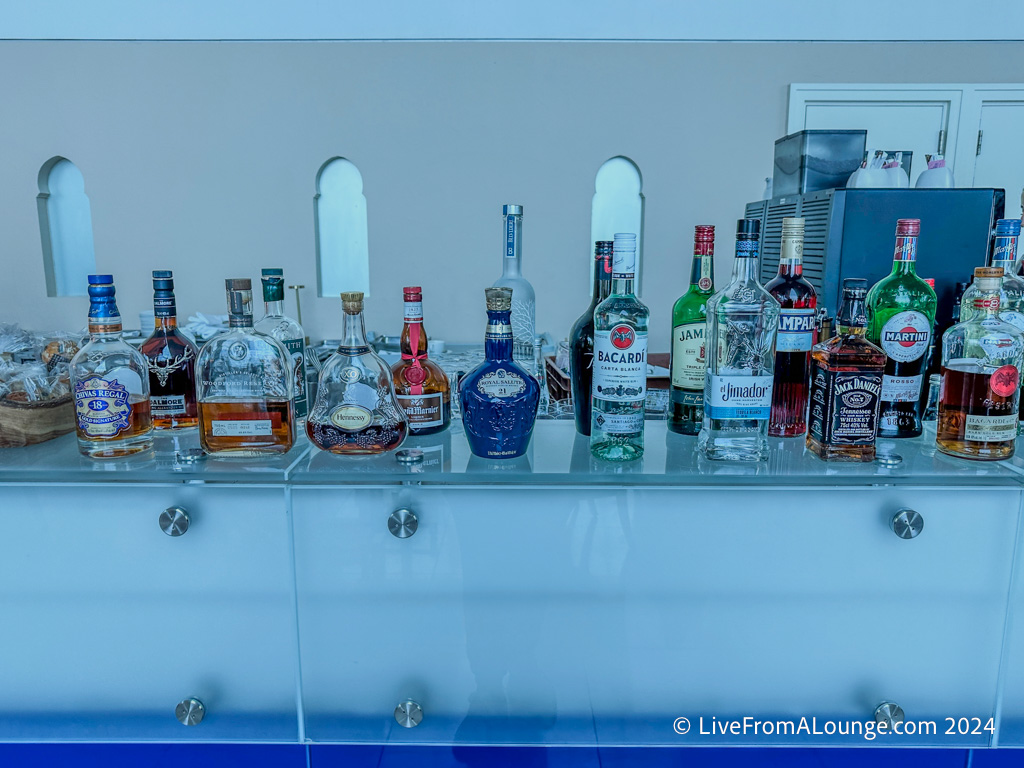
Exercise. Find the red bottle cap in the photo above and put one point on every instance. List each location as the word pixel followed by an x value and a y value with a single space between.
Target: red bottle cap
pixel 908 227
pixel 412 292
pixel 704 233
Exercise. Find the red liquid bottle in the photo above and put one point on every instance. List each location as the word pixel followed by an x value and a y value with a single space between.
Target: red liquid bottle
pixel 796 335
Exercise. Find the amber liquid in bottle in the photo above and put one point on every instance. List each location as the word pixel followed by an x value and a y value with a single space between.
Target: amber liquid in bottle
pixel 970 393
pixel 139 423
pixel 172 376
pixel 421 386
pixel 240 427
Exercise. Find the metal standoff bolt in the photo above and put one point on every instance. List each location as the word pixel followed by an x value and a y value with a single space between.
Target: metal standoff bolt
pixel 906 523
pixel 888 713
pixel 409 714
pixel 174 521
pixel 403 523
pixel 190 712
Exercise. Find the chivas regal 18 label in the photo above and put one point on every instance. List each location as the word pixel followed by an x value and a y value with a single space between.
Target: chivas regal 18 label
pixel 102 408
pixel 620 364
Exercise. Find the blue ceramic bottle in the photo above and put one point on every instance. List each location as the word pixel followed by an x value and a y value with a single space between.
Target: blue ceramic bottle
pixel 498 398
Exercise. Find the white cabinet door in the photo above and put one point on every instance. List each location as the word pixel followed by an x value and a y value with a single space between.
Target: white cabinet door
pixel 106 622
pixel 999 160
pixel 912 118
pixel 601 614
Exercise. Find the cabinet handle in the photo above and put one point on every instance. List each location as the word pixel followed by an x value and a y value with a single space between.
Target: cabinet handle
pixel 174 521
pixel 409 714
pixel 403 523
pixel 887 714
pixel 906 523
pixel 190 711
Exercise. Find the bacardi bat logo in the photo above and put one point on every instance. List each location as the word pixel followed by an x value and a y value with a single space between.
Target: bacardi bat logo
pixel 622 336
pixel 1004 381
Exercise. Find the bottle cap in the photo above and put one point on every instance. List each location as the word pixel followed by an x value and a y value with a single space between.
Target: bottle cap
pixel 162 274
pixel 603 248
pixel 498 299
pixel 352 302
pixel 908 227
pixel 510 209
pixel 1008 227
pixel 162 280
pixel 274 272
pixel 412 293
pixel 792 226
pixel 748 229
pixel 238 284
pixel 101 279
pixel 704 233
pixel 988 272
pixel 624 241
pixel 855 287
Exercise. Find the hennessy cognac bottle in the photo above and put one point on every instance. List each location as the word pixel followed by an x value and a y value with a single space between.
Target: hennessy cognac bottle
pixel 355 410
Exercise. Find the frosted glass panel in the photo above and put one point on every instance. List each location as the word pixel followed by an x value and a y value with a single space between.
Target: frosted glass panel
pixel 618 206
pixel 65 224
pixel 341 238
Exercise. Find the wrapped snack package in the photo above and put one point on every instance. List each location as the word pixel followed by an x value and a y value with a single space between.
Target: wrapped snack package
pixel 59 348
pixel 35 392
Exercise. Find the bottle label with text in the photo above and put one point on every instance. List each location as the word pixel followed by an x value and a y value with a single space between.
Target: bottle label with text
pixel 423 410
pixel 738 397
pixel 796 330
pixel 844 407
pixel 905 336
pixel 688 360
pixel 167 405
pixel 620 364
pixel 296 350
pixel 990 429
pixel 901 389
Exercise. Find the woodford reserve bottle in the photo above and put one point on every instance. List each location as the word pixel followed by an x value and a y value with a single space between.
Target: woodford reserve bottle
pixel 901 316
pixel 793 344
pixel 244 385
pixel 110 383
pixel 689 322
pixel 581 338
pixel 981 364
pixel 499 398
pixel 172 362
pixel 420 385
pixel 846 381
pixel 355 410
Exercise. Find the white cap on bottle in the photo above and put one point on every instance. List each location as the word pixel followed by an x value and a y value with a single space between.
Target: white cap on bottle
pixel 624 255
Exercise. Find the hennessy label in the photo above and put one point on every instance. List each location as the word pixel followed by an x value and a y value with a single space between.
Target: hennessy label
pixel 905 336
pixel 102 407
pixel 844 406
pixel 688 360
pixel 796 330
pixel 620 364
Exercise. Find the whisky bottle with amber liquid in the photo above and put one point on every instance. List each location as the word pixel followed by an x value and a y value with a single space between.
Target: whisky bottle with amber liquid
pixel 355 410
pixel 981 365
pixel 421 386
pixel 172 362
pixel 244 386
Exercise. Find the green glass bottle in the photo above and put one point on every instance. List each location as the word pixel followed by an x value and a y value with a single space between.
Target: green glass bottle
pixel 901 318
pixel 689 322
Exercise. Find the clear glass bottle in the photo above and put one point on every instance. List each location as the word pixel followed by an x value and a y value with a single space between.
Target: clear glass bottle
pixel 498 398
pixel 981 366
pixel 743 319
pixel 689 324
pixel 797 324
pixel 172 362
pixel 524 301
pixel 846 382
pixel 581 338
pixel 288 331
pixel 355 410
pixel 110 383
pixel 421 386
pixel 619 389
pixel 244 387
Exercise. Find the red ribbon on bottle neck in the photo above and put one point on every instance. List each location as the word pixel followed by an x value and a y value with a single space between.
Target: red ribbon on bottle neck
pixel 415 375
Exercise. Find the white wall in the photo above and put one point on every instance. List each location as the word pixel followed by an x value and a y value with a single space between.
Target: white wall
pixel 202 158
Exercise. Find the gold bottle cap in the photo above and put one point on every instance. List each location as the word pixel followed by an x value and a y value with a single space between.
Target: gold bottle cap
pixel 498 299
pixel 988 272
pixel 352 302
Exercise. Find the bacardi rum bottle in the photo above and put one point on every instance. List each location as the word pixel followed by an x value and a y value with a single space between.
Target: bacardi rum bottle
pixel 581 338
pixel 981 365
pixel 901 316
pixel 524 303
pixel 620 363
pixel 796 335
pixel 689 321
pixel 743 319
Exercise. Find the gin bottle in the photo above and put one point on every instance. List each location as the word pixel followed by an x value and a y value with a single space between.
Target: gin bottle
pixel 619 386
pixel 356 410
pixel 743 319
pixel 110 383
pixel 498 398
pixel 244 385
pixel 524 303
pixel 275 323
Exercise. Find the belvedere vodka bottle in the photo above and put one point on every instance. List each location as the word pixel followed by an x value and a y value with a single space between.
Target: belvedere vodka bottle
pixel 743 319
pixel 524 304
pixel 619 385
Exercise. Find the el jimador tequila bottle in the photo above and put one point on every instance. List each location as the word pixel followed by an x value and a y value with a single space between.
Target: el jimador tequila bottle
pixel 524 302
pixel 901 317
pixel 110 383
pixel 288 331
pixel 619 388
pixel 796 335
pixel 743 319
pixel 689 323
pixel 981 365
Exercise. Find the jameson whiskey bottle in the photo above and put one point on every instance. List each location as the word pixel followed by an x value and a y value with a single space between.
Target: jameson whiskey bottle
pixel 581 338
pixel 793 344
pixel 172 362
pixel 420 385
pixel 275 323
pixel 110 383
pixel 619 388
pixel 901 315
pixel 689 322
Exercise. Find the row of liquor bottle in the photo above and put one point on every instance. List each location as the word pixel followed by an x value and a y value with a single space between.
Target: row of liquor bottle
pixel 745 363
